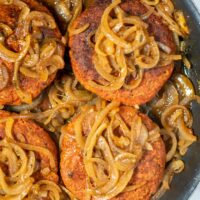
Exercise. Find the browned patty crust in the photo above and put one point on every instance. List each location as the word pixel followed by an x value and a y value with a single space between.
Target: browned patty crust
pixel 149 171
pixel 81 54
pixel 37 136
pixel 9 15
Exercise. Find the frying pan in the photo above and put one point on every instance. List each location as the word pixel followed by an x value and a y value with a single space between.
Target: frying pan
pixel 184 183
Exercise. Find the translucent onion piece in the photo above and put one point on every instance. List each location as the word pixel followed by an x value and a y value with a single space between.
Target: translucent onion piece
pixel 167 59
pixel 20 3
pixel 45 19
pixel 41 150
pixel 180 19
pixel 51 189
pixel 114 173
pixel 32 58
pixel 117 143
pixel 147 14
pixel 79 30
pixel 147 62
pixel 88 150
pixel 135 83
pixel 186 137
pixel 125 161
pixel 73 93
pixel 99 120
pixel 130 188
pixel 48 49
pixel 184 86
pixel 116 83
pixel 23 14
pixel 25 97
pixel 49 114
pixel 6 2
pixel 185 101
pixel 176 40
pixel 151 2
pixel 173 26
pixel 16 185
pixel 106 28
pixel 78 131
pixel 4 76
pixel 179 118
pixel 8 127
pixel 63 10
pixel 186 62
pixel 122 183
pixel 77 8
pixel 11 56
pixel 171 114
pixel 164 47
pixel 169 97
pixel 25 107
pixel 29 73
pixel 172 151
pixel 30 165
pixel 6 29
pixel 16 188
pixel 23 159
pixel 154 134
pixel 49 65
pixel 143 136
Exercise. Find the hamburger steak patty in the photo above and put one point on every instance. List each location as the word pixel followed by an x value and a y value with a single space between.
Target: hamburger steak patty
pixel 81 54
pixel 9 15
pixel 37 136
pixel 149 170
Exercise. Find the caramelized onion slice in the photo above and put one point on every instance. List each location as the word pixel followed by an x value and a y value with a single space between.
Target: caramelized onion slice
pixel 11 56
pixel 187 100
pixel 184 86
pixel 172 150
pixel 180 19
pixel 51 64
pixel 164 47
pixel 151 2
pixel 125 161
pixel 6 2
pixel 48 48
pixel 25 97
pixel 6 29
pixel 26 107
pixel 172 113
pixel 186 137
pixel 47 19
pixel 168 97
pixel 42 187
pixel 4 76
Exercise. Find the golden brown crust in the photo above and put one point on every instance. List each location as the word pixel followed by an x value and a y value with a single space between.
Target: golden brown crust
pixel 34 135
pixel 149 171
pixel 9 15
pixel 81 55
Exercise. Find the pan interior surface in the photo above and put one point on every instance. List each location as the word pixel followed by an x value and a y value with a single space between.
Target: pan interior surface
pixel 184 183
